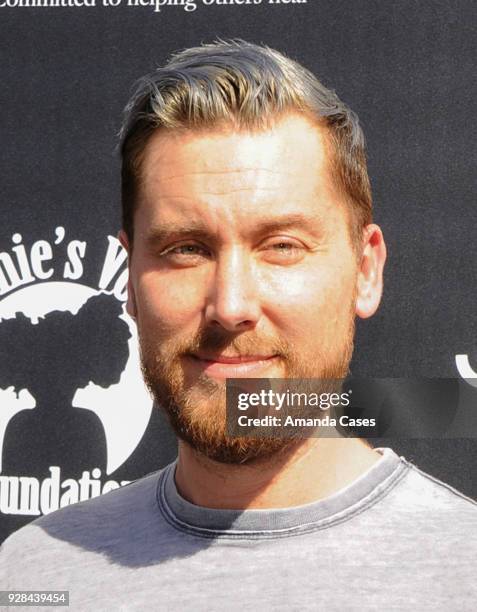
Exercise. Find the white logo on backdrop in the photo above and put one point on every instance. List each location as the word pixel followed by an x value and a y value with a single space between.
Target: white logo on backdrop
pixel 466 370
pixel 124 408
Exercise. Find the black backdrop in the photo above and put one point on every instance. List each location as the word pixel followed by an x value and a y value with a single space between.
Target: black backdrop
pixel 405 67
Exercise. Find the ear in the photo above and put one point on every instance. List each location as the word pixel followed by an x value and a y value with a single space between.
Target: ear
pixel 131 301
pixel 370 273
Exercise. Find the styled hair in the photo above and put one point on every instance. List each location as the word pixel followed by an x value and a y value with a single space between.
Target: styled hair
pixel 246 86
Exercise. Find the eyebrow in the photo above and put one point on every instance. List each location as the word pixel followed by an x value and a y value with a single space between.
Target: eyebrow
pixel 196 229
pixel 189 229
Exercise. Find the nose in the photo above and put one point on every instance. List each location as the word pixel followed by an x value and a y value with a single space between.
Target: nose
pixel 233 298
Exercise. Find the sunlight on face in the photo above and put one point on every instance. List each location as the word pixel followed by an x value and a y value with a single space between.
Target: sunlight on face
pixel 242 267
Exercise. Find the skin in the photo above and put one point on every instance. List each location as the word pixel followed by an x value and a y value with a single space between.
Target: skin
pixel 245 232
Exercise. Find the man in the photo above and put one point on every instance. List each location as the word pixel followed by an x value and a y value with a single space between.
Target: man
pixel 247 220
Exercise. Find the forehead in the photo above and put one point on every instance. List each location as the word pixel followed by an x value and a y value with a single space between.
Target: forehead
pixel 237 174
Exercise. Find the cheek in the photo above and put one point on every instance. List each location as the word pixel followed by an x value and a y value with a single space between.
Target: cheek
pixel 310 305
pixel 168 305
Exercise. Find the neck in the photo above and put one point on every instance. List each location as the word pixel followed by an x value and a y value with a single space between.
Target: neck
pixel 312 470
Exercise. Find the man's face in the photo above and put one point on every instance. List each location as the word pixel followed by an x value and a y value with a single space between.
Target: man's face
pixel 242 266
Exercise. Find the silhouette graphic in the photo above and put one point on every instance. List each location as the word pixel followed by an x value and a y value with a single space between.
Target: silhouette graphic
pixel 52 359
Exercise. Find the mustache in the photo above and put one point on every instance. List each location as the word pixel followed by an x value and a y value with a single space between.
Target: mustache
pixel 215 339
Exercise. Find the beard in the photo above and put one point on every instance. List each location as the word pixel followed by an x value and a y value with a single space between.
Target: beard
pixel 196 407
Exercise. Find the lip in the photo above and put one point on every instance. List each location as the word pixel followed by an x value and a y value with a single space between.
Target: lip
pixel 222 366
pixel 233 358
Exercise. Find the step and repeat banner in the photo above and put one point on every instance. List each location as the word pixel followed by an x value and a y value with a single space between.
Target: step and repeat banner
pixel 75 418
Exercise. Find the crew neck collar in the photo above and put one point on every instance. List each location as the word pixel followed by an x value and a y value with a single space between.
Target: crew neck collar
pixel 279 522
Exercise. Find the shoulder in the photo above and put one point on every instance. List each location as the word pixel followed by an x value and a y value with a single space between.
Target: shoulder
pixel 421 503
pixel 131 500
pixel 109 522
pixel 423 490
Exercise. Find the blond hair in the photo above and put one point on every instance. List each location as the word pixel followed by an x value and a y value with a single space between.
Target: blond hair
pixel 249 87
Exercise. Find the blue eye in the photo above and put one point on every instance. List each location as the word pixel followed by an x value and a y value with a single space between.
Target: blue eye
pixel 187 249
pixel 284 246
pixel 283 252
pixel 185 254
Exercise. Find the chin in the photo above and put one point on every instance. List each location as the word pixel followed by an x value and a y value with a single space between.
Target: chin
pixel 240 451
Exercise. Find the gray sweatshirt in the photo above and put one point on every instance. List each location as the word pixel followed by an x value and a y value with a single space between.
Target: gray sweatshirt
pixel 394 539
